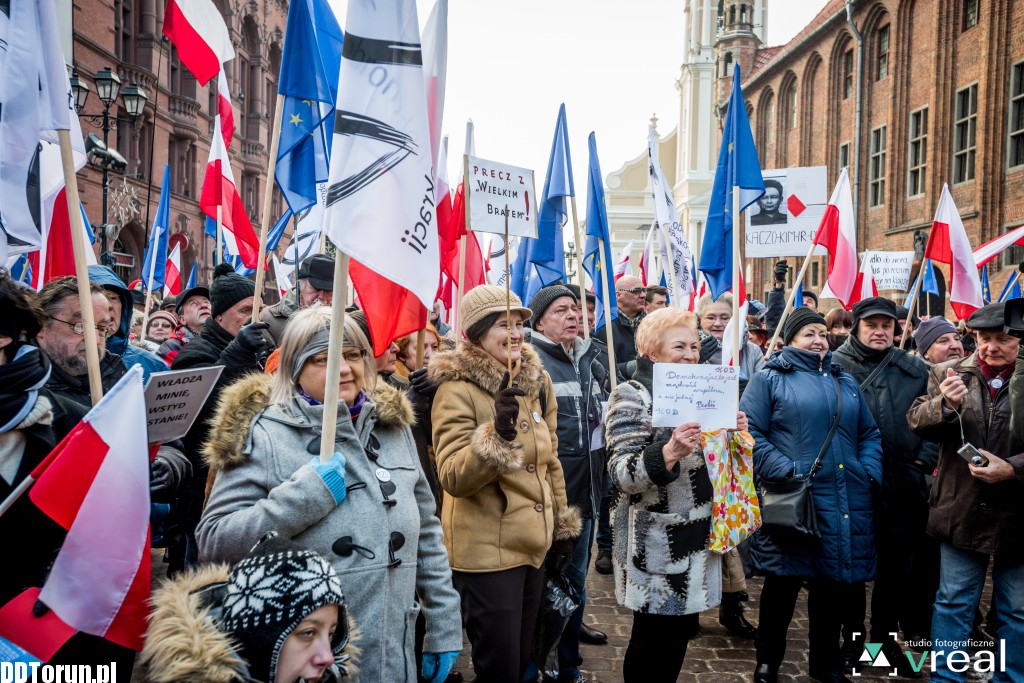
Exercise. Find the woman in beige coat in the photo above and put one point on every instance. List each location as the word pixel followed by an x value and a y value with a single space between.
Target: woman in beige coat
pixel 497 459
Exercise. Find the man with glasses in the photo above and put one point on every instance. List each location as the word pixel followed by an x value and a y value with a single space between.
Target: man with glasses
pixel 315 283
pixel 120 299
pixel 631 296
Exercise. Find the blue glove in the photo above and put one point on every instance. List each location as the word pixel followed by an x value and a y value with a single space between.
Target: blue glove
pixel 437 665
pixel 333 474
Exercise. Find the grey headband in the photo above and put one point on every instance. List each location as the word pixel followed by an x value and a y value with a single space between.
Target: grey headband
pixel 318 343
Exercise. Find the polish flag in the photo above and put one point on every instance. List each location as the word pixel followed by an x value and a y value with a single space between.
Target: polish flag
pixel 623 266
pixel 729 357
pixel 647 259
pixel 838 234
pixel 284 283
pixel 451 231
pixel 219 189
pixel 865 286
pixel 224 109
pixel 199 33
pixel 948 243
pixel 57 257
pixel 172 275
pixel 95 484
pixel 993 248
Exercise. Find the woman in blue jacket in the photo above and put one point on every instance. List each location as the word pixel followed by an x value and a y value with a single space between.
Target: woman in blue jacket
pixel 790 405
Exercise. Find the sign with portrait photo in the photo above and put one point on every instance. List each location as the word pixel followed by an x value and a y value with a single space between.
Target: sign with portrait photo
pixel 784 220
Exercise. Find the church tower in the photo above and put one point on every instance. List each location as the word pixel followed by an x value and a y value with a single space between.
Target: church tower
pixel 740 32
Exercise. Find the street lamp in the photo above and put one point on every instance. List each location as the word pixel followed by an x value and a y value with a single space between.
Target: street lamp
pixel 570 258
pixel 108 87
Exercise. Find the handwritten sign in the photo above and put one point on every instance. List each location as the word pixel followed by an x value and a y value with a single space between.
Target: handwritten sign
pixel 891 269
pixel 708 394
pixel 174 399
pixel 784 220
pixel 494 190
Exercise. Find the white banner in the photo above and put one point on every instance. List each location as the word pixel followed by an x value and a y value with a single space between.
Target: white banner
pixel 494 189
pixel 784 220
pixel 891 268
pixel 677 257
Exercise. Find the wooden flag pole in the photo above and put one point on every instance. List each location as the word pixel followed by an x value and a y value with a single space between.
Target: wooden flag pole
pixel 608 284
pixel 268 196
pixel 334 351
pixel 421 341
pixel 671 267
pixel 92 349
pixel 579 266
pixel 737 227
pixel 295 272
pixel 508 304
pixel 220 235
pixel 789 301
pixel 457 318
pixel 913 302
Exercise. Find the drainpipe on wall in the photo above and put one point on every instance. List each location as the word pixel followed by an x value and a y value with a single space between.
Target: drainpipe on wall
pixel 858 104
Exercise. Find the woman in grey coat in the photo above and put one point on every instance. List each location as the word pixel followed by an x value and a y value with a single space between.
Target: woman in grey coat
pixel 369 509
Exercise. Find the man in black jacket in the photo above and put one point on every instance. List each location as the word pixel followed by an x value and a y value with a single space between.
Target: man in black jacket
pixel 631 298
pixel 578 379
pixel 891 380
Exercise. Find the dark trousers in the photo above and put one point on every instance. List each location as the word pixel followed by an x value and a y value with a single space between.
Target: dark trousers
pixel 499 612
pixel 604 520
pixel 778 600
pixel 657 646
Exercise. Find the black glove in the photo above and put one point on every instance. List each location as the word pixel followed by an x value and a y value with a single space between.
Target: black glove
pixel 169 469
pixel 422 384
pixel 506 409
pixel 560 556
pixel 251 338
pixel 781 267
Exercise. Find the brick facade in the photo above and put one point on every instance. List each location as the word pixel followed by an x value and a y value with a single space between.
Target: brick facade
pixel 177 125
pixel 917 57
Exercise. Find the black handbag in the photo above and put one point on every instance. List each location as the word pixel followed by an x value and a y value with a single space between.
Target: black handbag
pixel 787 506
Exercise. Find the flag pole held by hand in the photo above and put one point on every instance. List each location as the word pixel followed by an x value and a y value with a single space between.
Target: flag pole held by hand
pixel 789 301
pixel 421 340
pixel 508 300
pixel 737 226
pixel 913 303
pixel 334 351
pixel 268 196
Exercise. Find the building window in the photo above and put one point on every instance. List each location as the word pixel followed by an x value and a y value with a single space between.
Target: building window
pixel 883 53
pixel 791 107
pixel 123 24
pixel 771 122
pixel 876 168
pixel 844 155
pixel 964 131
pixel 814 274
pixel 1011 257
pixel 727 65
pixel 1017 116
pixel 970 13
pixel 847 74
pixel 917 159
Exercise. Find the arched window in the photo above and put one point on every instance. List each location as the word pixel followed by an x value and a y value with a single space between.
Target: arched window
pixel 727 65
pixel 791 107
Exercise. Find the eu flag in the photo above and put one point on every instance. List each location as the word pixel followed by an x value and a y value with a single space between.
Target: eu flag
pixel 192 277
pixel 986 288
pixel 594 261
pixel 541 262
pixel 1011 290
pixel 310 66
pixel 157 246
pixel 737 167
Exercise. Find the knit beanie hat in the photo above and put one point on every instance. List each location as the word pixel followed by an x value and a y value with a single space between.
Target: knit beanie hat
pixel 483 300
pixel 161 315
pixel 270 592
pixel 228 288
pixel 929 331
pixel 796 321
pixel 543 299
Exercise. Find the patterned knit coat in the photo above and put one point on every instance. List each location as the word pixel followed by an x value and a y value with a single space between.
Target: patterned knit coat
pixel 661 520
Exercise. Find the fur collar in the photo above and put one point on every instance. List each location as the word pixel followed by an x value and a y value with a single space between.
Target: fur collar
pixel 470 363
pixel 242 401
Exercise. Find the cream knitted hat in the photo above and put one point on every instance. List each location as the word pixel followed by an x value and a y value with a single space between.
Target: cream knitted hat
pixel 483 300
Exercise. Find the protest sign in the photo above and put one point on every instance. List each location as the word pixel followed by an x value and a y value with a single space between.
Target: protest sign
pixel 891 268
pixel 494 189
pixel 174 399
pixel 785 219
pixel 708 394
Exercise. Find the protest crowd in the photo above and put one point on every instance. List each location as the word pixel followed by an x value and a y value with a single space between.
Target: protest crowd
pixel 400 456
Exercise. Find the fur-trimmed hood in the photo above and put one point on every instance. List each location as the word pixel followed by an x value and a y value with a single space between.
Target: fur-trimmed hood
pixel 241 402
pixel 470 363
pixel 184 645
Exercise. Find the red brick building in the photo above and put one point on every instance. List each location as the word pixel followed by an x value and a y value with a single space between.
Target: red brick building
pixel 910 94
pixel 177 124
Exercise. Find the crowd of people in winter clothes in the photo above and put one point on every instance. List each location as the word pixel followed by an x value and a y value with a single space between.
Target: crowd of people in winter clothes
pixel 517 456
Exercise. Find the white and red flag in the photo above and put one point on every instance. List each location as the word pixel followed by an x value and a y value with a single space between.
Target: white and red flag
pixel 646 264
pixel 838 234
pixel 95 484
pixel 172 274
pixel 729 357
pixel 993 248
pixel 284 283
pixel 948 243
pixel 865 286
pixel 199 33
pixel 219 188
pixel 623 266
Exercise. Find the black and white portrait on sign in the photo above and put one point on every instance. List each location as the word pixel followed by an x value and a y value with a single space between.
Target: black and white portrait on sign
pixel 770 207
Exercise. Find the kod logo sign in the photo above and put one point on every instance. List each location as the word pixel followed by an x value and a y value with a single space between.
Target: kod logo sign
pixel 953 655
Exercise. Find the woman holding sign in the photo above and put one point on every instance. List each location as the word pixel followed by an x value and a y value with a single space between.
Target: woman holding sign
pixel 808 418
pixel 664 569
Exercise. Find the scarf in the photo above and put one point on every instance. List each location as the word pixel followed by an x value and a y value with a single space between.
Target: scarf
pixel 20 382
pixel 353 410
pixel 991 374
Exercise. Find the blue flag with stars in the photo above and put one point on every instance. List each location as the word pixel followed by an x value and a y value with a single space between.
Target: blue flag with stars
pixel 986 288
pixel 310 66
pixel 737 167
pixel 1011 290
pixel 595 262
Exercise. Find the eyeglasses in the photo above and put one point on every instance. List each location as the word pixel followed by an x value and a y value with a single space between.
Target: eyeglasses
pixel 634 290
pixel 349 356
pixel 718 318
pixel 79 328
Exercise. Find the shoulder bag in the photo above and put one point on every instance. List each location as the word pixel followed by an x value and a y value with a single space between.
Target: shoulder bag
pixel 787 506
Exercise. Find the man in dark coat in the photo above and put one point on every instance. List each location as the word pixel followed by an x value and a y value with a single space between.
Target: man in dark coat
pixel 891 380
pixel 631 297
pixel 315 283
pixel 976 506
pixel 578 379
pixel 192 308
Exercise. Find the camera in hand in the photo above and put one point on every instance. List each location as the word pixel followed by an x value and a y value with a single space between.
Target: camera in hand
pixel 972 455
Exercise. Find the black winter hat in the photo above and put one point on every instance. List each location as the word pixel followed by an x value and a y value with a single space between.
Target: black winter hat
pixel 543 299
pixel 796 321
pixel 228 288
pixel 575 289
pixel 929 331
pixel 275 587
pixel 876 305
pixel 989 317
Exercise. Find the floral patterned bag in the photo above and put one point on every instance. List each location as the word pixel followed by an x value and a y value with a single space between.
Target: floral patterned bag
pixel 735 513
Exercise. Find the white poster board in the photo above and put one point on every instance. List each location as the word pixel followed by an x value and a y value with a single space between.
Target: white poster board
pixel 494 189
pixel 784 220
pixel 174 399
pixel 891 269
pixel 708 394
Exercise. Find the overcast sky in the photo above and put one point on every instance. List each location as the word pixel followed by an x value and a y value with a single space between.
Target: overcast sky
pixel 613 63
